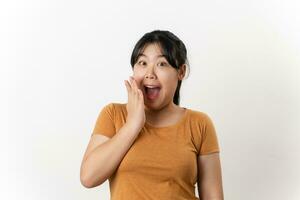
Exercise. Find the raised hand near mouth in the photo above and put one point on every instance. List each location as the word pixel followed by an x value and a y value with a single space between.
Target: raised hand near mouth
pixel 136 117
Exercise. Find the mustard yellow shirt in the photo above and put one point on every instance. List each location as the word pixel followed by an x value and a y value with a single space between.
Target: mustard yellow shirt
pixel 162 162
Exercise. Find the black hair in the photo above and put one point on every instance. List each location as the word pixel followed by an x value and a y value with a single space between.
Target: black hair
pixel 171 46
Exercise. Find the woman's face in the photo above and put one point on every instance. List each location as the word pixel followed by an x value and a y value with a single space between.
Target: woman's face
pixel 156 77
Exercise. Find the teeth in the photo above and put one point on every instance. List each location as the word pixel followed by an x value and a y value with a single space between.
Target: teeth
pixel 151 86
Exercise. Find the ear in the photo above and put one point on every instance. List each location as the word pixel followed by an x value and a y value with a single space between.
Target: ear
pixel 181 71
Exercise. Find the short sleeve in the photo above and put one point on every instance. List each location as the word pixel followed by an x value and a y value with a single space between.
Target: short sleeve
pixel 209 139
pixel 105 121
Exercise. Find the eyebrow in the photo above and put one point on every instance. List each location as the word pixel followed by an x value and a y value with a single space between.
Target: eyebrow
pixel 141 54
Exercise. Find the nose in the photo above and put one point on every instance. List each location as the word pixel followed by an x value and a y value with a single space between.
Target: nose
pixel 150 76
pixel 150 73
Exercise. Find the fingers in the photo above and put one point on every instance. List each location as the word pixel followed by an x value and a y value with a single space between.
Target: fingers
pixel 136 88
pixel 132 81
pixel 141 94
pixel 134 84
pixel 128 87
pixel 132 87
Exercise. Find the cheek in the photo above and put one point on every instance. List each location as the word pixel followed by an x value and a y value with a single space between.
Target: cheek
pixel 138 77
pixel 137 73
pixel 170 83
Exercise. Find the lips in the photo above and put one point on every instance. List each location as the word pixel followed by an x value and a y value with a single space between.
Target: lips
pixel 152 91
pixel 151 87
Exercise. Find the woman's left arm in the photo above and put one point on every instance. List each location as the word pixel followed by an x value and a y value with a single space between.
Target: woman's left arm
pixel 210 177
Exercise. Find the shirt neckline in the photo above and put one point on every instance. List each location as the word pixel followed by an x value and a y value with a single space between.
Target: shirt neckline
pixel 172 125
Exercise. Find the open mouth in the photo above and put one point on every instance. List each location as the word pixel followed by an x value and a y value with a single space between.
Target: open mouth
pixel 152 92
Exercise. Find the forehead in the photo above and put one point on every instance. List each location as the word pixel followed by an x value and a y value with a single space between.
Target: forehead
pixel 151 51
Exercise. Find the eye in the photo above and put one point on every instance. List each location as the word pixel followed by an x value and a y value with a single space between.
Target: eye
pixel 163 64
pixel 141 62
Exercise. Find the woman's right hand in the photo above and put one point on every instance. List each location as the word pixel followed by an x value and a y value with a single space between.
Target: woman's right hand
pixel 136 117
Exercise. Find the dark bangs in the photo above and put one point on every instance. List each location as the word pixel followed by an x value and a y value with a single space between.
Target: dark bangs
pixel 170 45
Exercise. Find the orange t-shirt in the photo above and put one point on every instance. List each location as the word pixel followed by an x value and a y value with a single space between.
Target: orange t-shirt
pixel 162 162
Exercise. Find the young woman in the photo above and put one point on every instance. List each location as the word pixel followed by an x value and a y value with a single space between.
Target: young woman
pixel 150 147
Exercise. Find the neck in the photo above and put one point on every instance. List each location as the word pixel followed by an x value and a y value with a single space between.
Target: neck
pixel 153 115
pixel 167 108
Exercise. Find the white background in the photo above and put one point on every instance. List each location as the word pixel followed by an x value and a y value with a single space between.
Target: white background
pixel 62 61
